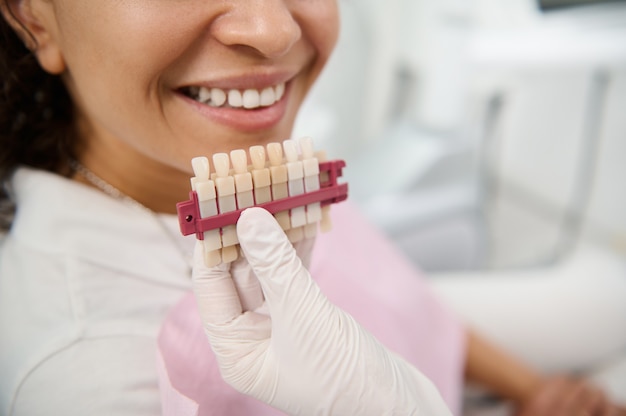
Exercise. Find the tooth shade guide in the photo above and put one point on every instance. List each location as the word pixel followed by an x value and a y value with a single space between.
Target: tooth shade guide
pixel 192 222
pixel 295 234
pixel 326 223
pixel 295 183
pixel 260 175
pixel 243 179
pixel 279 178
pixel 226 202
pixel 262 186
pixel 207 205
pixel 310 230
pixel 330 192
pixel 311 169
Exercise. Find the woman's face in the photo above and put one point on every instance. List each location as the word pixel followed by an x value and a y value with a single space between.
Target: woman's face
pixel 168 80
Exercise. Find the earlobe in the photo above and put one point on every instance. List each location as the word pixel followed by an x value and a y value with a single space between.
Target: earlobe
pixel 34 23
pixel 50 58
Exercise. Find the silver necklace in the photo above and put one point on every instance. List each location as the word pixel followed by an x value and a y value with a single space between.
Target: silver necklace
pixel 113 192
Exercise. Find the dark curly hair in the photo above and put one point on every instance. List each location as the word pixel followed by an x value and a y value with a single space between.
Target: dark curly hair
pixel 36 117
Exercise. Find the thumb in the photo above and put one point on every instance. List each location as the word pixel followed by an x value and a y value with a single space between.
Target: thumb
pixel 271 256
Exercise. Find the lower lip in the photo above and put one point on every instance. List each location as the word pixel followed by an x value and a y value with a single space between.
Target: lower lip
pixel 243 119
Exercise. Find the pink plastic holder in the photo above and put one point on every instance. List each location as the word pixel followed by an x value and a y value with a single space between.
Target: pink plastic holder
pixel 330 192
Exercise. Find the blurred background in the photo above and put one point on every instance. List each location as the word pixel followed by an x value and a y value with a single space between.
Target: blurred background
pixel 487 138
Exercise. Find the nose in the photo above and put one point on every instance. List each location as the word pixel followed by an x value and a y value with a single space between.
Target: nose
pixel 265 26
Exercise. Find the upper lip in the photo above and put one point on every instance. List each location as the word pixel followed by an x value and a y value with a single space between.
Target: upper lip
pixel 248 81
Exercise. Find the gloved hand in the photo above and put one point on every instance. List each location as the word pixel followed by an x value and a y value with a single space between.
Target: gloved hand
pixel 298 352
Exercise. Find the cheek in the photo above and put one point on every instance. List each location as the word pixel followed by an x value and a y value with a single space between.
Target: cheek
pixel 320 23
pixel 321 28
pixel 117 53
pixel 121 36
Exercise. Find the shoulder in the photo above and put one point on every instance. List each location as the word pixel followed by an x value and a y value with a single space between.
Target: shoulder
pixel 36 317
pixel 104 376
pixel 62 349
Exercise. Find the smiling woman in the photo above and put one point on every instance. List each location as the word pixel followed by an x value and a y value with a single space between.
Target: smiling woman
pixel 102 301
pixel 130 68
pixel 101 112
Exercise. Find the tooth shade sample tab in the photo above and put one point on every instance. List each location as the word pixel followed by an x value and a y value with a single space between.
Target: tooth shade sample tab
pixel 289 180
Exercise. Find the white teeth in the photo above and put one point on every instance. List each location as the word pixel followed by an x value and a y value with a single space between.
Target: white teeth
pixel 218 97
pixel 268 97
pixel 249 99
pixel 280 90
pixel 235 99
pixel 204 95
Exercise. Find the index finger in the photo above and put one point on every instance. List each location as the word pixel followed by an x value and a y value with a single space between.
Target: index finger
pixel 216 294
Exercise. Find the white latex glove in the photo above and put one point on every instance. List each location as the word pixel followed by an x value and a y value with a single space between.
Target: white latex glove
pixel 298 352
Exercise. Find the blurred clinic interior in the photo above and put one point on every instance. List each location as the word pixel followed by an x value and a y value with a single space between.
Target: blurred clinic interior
pixel 487 138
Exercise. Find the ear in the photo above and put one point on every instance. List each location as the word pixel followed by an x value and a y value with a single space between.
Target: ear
pixel 35 23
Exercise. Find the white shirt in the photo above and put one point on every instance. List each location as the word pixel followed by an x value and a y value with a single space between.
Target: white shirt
pixel 85 281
